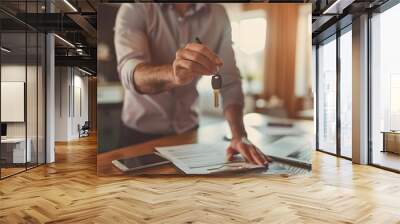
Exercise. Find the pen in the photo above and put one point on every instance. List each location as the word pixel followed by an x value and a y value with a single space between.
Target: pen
pixel 198 40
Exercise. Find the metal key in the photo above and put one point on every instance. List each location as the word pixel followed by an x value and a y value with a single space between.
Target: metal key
pixel 216 83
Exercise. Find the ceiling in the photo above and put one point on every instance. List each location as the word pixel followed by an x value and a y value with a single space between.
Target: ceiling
pixel 76 22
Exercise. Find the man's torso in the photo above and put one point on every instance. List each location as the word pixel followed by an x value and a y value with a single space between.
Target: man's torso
pixel 171 111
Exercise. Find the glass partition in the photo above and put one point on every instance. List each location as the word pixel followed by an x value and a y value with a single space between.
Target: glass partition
pixel 14 153
pixel 31 99
pixel 41 96
pixel 22 88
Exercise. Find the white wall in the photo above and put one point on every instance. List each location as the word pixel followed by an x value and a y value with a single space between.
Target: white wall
pixel 79 117
pixel 12 73
pixel 61 103
pixel 71 87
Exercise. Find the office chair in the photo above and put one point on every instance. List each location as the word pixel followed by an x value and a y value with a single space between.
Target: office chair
pixel 84 130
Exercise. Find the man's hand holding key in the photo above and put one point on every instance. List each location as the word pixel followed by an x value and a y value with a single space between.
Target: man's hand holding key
pixel 192 61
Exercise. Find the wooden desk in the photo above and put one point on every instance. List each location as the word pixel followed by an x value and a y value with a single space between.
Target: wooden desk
pixel 207 134
pixel 15 152
pixel 391 141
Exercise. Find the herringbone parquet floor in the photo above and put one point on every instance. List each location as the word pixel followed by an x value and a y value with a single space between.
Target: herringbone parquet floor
pixel 69 191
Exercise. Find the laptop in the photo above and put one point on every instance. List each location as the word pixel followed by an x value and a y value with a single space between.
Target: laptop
pixel 3 131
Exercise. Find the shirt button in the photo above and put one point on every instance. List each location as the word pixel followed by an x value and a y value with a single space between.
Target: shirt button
pixel 180 19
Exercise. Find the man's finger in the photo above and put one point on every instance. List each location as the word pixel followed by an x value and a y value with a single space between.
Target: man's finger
pixel 230 152
pixel 192 66
pixel 246 154
pixel 203 49
pixel 266 159
pixel 257 156
pixel 198 58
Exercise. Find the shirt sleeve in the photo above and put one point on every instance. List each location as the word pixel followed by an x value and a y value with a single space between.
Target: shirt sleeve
pixel 131 42
pixel 231 90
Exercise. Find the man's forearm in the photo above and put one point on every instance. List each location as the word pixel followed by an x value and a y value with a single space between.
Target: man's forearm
pixel 150 79
pixel 234 115
pixel 190 62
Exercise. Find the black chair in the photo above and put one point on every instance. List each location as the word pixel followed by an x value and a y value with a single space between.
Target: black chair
pixel 84 130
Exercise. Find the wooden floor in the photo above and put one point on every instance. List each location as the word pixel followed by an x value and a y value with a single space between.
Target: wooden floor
pixel 70 192
pixel 5 172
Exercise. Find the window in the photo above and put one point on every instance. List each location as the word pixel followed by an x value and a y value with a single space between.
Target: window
pixel 394 101
pixel 385 89
pixel 346 94
pixel 334 106
pixel 327 96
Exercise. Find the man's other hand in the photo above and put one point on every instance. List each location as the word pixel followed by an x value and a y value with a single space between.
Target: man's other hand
pixel 194 60
pixel 249 152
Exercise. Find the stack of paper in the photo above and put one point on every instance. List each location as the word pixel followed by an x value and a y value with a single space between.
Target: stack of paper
pixel 211 158
pixel 203 158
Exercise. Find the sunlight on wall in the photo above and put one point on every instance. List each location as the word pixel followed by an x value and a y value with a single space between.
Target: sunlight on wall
pixel 250 34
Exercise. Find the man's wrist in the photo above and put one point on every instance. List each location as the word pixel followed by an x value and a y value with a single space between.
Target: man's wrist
pixel 239 136
pixel 170 74
pixel 243 140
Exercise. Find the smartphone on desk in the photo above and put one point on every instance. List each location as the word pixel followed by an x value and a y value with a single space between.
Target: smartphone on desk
pixel 139 162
